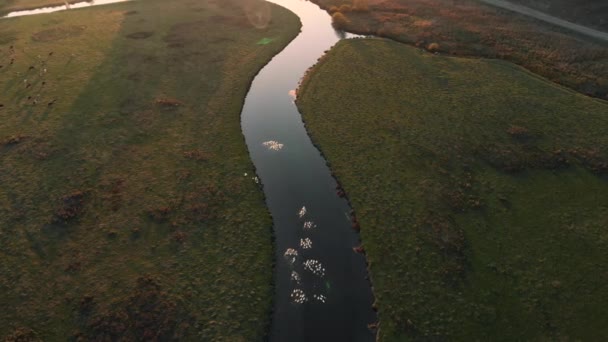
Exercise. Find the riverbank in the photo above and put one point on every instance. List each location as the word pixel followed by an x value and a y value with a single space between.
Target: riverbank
pixel 123 186
pixel 7 6
pixel 479 189
pixel 469 28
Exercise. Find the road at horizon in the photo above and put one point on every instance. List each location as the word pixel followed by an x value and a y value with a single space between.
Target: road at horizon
pixel 548 19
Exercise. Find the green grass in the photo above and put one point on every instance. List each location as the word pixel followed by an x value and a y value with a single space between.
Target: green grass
pixel 481 190
pixel 128 190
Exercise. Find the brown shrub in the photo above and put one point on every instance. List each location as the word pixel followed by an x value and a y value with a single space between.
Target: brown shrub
pixel 518 131
pixel 345 8
pixel 339 20
pixel 71 207
pixel 433 47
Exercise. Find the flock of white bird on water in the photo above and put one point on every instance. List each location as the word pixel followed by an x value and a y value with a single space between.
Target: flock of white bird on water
pixel 306 243
pixel 291 255
pixel 312 266
pixel 273 145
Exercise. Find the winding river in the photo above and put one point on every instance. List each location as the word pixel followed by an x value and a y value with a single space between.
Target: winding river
pixel 322 291
pixel 321 284
pixel 51 9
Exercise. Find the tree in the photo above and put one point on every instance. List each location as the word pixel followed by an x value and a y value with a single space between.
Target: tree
pixel 339 20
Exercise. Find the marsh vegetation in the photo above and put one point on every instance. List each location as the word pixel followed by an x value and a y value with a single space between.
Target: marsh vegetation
pixel 469 28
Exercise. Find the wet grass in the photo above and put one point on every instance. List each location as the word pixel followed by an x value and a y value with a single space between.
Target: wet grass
pixel 473 29
pixel 480 190
pixel 123 206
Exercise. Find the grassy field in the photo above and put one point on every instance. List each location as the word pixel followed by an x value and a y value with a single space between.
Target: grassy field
pixel 470 28
pixel 124 209
pixel 481 192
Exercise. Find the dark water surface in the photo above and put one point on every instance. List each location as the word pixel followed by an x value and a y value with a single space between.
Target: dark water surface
pixel 322 293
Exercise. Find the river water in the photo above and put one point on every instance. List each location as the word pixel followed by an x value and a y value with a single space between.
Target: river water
pixel 322 293
pixel 61 8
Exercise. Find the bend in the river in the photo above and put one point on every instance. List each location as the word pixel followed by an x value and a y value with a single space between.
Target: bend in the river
pixel 321 284
pixel 322 291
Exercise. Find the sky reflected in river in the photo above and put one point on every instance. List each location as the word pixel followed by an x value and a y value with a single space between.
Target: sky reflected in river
pixel 62 7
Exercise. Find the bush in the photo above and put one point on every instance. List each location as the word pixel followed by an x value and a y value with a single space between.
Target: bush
pixel 339 20
pixel 433 47
pixel 345 8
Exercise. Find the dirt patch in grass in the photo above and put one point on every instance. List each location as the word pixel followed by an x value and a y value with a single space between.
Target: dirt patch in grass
pixel 480 191
pixel 71 206
pixel 140 35
pixel 58 33
pixel 168 103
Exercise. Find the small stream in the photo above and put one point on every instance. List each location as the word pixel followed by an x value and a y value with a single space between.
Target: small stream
pixel 61 7
pixel 322 293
